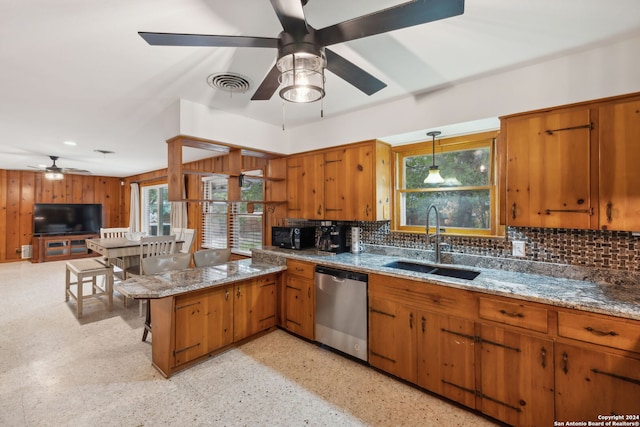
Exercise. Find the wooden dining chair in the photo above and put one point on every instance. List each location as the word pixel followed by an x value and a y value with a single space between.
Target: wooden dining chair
pixel 149 247
pixel 115 233
pixel 187 236
pixel 160 264
pixel 206 257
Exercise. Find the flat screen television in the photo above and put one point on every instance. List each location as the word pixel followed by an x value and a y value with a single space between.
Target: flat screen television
pixel 66 218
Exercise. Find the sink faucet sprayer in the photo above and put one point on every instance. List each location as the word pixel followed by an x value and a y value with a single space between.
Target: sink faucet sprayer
pixel 437 234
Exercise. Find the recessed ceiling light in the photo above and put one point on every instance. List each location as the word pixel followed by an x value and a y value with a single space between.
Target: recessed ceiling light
pixel 73 143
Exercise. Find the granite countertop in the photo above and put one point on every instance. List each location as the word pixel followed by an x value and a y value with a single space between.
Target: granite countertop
pixel 598 291
pixel 193 279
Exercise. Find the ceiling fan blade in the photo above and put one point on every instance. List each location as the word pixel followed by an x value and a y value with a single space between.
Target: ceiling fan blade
pixel 393 18
pixel 291 15
pixel 268 86
pixel 353 74
pixel 173 39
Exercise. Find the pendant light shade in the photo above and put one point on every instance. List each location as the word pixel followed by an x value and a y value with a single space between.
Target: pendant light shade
pixel 302 76
pixel 434 177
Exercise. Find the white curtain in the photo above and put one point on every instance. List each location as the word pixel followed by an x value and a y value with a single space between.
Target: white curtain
pixel 179 211
pixel 134 210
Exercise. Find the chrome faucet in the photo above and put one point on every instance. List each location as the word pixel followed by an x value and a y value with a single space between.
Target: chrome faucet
pixel 437 234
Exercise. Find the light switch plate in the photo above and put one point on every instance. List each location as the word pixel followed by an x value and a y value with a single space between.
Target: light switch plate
pixel 517 248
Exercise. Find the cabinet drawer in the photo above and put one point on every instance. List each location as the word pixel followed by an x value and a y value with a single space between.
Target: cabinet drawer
pixel 610 332
pixel 515 314
pixel 300 268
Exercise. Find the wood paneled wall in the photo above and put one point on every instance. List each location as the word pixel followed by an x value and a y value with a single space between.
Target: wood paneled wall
pixel 20 190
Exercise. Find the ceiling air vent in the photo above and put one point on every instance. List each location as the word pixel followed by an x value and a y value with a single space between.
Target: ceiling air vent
pixel 229 82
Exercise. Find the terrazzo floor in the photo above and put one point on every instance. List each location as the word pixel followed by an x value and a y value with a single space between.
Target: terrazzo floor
pixel 56 370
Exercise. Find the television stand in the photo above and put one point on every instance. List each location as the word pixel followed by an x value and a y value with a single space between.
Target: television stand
pixel 61 246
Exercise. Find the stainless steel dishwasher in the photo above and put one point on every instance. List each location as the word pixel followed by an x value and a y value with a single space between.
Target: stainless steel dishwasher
pixel 341 310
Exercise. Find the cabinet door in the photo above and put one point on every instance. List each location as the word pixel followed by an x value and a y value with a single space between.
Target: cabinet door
pixel 549 170
pixel 392 338
pixel 446 357
pixel 219 318
pixel 190 327
pixel 619 171
pixel 254 307
pixel 349 184
pixel 305 189
pixel 591 383
pixel 517 383
pixel 299 306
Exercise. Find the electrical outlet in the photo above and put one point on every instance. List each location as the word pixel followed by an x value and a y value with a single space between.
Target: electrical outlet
pixel 517 248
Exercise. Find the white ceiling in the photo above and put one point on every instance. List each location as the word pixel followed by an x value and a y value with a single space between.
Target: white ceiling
pixel 76 70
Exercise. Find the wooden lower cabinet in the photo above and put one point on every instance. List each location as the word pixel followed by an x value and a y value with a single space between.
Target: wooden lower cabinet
pixel 516 377
pixel 446 357
pixel 392 338
pixel 591 382
pixel 254 308
pixel 188 327
pixel 299 299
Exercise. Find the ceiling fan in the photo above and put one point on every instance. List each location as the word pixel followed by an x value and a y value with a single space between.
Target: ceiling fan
pixel 302 53
pixel 55 172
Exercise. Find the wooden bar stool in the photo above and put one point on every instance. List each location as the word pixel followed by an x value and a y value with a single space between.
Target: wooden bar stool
pixel 87 271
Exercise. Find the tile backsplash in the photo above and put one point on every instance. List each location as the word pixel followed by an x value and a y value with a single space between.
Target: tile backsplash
pixel 616 250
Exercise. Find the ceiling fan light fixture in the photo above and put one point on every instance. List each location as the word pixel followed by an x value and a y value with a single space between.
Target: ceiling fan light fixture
pixel 302 76
pixel 54 176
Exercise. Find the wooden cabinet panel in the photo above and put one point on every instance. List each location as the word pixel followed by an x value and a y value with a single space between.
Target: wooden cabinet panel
pixel 305 187
pixel 190 327
pixel 549 164
pixel 517 378
pixel 619 137
pixel 254 307
pixel 299 316
pixel 301 268
pixel 446 357
pixel 219 319
pixel 514 314
pixel 392 338
pixel 602 330
pixel 591 383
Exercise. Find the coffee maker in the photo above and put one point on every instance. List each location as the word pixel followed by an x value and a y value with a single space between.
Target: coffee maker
pixel 333 238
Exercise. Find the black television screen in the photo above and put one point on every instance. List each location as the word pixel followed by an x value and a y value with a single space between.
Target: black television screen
pixel 64 218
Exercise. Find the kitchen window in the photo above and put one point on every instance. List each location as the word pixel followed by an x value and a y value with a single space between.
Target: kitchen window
pixel 156 210
pixel 466 200
pixel 237 225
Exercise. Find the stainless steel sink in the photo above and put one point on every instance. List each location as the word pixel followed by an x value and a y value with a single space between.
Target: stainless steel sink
pixel 456 272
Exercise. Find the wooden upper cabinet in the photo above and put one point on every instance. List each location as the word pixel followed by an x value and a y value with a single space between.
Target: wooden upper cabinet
pixel 350 183
pixel 305 192
pixel 549 167
pixel 620 166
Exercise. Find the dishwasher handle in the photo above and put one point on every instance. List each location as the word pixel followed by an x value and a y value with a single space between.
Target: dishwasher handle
pixel 342 274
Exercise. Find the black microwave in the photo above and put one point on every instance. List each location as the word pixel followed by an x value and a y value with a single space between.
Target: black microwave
pixel 293 237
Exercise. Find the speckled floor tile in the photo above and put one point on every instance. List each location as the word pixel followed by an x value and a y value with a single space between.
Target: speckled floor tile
pixel 56 370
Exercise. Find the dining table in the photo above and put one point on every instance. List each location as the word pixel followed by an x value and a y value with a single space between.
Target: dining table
pixel 120 248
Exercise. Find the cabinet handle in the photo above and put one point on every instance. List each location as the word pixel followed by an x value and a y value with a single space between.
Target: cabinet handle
pixel 226 295
pixel 513 210
pixel 320 209
pixel 600 333
pixel 366 211
pixel 424 324
pixel 565 362
pixel 411 320
pixel 609 211
pixel 543 357
pixel 238 293
pixel 511 314
pixel 309 292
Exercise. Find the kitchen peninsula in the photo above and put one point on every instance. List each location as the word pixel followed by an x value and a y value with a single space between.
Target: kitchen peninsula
pixel 201 311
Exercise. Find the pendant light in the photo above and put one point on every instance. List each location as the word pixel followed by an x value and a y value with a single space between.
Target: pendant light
pixel 434 177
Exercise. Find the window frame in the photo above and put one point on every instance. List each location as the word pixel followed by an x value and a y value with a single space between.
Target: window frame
pixel 145 222
pixel 234 212
pixel 466 142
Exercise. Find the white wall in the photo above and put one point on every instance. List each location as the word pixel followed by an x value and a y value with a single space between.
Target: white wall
pixel 605 70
